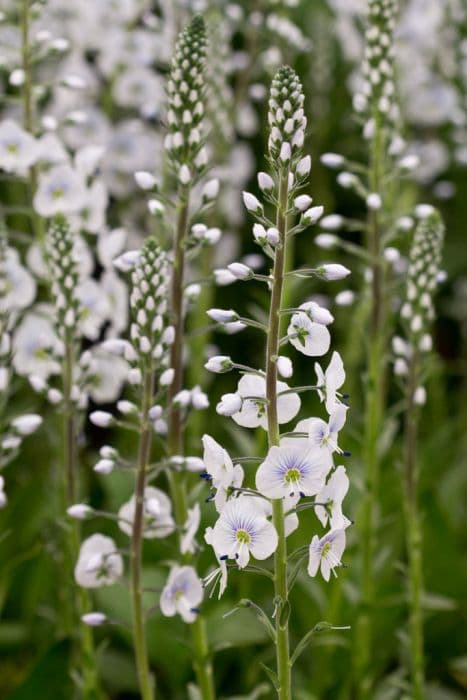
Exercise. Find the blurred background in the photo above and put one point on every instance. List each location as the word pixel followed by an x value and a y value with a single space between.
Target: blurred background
pixel 121 51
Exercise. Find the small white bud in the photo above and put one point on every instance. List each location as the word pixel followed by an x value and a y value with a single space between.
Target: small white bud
pixel 210 190
pixel 94 619
pixel 400 367
pixel 265 182
pixel 155 207
pixel 419 396
pixel 326 241
pixel 273 236
pixel 312 215
pixel 101 418
pixel 184 175
pixel 373 201
pixel 284 366
pixel 423 211
pixel 144 179
pixel 27 424
pixel 345 298
pixel 79 511
pixel 332 222
pixel 426 343
pixel 104 466
pixel 219 364
pixel 127 407
pixel 252 203
pixel 334 271
pixel 303 166
pixel 222 315
pixel 332 160
pixel 302 202
pixel 240 271
pixel 229 404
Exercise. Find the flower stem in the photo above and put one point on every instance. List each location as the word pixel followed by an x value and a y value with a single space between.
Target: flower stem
pixel 202 661
pixel 272 351
pixel 413 536
pixel 84 652
pixel 373 422
pixel 146 683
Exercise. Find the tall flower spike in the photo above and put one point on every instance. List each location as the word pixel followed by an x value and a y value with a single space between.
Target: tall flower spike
pixel 425 258
pixel 377 97
pixel 418 312
pixel 64 275
pixel 186 105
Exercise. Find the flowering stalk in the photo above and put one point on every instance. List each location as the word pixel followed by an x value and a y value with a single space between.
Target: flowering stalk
pixel 147 300
pixel 418 312
pixel 272 353
pixel 64 276
pixel 184 144
pixel 299 461
pixel 378 74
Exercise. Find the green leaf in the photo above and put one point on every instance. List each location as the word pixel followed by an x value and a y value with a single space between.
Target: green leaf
pixel 49 678
pixel 272 675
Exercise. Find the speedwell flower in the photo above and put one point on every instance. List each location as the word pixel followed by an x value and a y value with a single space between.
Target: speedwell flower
pixel 252 389
pixel 333 494
pixel 158 520
pixel 243 529
pixel 330 381
pixel 289 471
pixel 326 553
pixel 99 563
pixel 182 593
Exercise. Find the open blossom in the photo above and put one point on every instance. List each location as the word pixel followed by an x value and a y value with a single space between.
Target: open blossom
pixel 20 286
pixel 252 389
pixel 330 381
pixel 312 339
pixel 326 553
pixel 18 149
pixel 243 530
pixel 333 494
pixel 219 466
pixel 324 435
pixel 182 594
pixel 157 515
pixel 61 190
pixel 99 563
pixel 188 541
pixel 292 470
pixel 36 346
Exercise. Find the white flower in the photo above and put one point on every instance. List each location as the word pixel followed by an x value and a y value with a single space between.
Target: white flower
pixel 292 471
pixel 60 190
pixel 26 424
pixel 182 594
pixel 95 308
pixel 210 190
pixel 107 373
pixel 330 381
pixel 312 215
pixel 312 339
pixel 333 494
pixel 243 529
pixel 334 271
pixel 99 563
pixel 157 514
pixel 326 553
pixel 229 404
pixel 35 347
pixel 252 390
pixel 324 435
pixel 190 528
pixel 18 149
pixel 222 471
pixel 19 287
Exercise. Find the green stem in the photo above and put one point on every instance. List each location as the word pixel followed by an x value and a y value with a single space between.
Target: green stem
pixel 272 351
pixel 413 537
pixel 202 660
pixel 85 652
pixel 146 684
pixel 374 403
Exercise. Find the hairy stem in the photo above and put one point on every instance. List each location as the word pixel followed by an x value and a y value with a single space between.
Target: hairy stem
pixel 146 684
pixel 272 351
pixel 413 536
pixel 202 661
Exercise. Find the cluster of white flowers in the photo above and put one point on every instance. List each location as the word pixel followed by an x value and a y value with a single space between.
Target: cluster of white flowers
pixel 301 465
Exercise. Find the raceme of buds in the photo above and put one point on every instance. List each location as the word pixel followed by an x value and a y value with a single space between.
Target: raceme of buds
pixel 425 258
pixel 287 119
pixel 186 87
pixel 64 272
pixel 148 301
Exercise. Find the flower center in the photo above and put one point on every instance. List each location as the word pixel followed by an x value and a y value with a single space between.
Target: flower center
pixel 326 549
pixel 12 148
pixel 243 536
pixel 292 476
pixel 58 193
